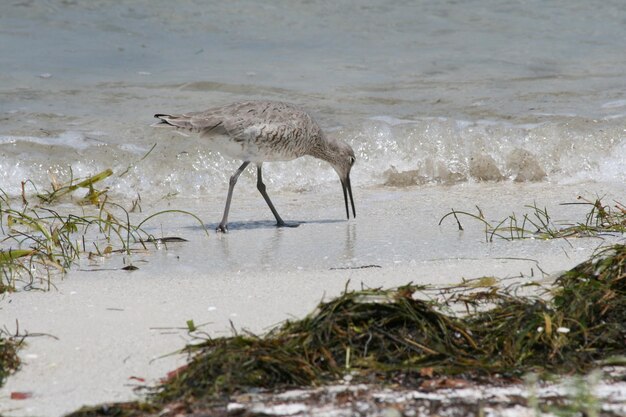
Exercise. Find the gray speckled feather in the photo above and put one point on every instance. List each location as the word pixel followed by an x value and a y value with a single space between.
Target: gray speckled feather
pixel 256 131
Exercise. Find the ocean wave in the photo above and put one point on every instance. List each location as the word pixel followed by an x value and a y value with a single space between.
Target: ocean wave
pixel 390 152
pixel 450 151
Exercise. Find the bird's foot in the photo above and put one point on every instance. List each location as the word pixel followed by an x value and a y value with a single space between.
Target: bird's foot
pixel 283 224
pixel 222 228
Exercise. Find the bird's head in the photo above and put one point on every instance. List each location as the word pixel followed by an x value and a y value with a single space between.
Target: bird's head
pixel 341 157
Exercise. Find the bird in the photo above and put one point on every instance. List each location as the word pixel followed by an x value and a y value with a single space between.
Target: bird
pixel 264 131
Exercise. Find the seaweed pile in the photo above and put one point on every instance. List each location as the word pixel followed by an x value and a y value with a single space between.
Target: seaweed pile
pixel 377 335
pixel 370 331
pixel 382 332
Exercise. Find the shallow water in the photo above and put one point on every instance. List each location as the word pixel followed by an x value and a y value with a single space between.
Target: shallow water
pixel 399 228
pixel 436 92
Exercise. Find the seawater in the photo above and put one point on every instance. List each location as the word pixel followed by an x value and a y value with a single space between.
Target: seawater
pixel 427 92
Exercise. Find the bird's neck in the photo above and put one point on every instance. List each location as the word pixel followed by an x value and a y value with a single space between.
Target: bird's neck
pixel 324 149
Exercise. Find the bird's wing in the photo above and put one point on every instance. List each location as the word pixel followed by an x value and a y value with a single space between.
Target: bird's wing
pixel 240 120
pixel 261 119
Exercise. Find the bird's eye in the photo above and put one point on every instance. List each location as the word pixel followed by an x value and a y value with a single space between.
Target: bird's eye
pixel 352 160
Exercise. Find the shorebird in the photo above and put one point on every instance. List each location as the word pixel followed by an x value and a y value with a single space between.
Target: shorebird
pixel 263 131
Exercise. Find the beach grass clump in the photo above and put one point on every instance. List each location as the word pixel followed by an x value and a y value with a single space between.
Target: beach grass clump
pixel 9 361
pixel 92 196
pixel 538 223
pixel 42 239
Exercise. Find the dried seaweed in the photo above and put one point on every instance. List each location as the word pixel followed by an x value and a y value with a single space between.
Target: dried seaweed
pixel 376 335
pixel 9 361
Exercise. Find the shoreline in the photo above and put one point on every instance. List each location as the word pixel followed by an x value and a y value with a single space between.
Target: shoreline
pixel 112 325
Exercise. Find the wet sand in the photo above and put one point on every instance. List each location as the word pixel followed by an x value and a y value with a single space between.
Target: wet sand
pixel 107 330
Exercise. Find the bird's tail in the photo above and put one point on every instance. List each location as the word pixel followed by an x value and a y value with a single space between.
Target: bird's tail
pixel 181 121
pixel 163 121
pixel 192 123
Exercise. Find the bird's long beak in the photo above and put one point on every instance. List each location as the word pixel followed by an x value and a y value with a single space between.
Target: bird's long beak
pixel 347 189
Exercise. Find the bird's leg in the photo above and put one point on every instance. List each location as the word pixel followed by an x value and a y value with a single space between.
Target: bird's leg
pixel 231 186
pixel 261 187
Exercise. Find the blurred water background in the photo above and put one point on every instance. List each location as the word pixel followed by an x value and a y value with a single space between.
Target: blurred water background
pixel 437 92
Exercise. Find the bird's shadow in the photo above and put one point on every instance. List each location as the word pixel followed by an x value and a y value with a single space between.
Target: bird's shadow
pixel 264 224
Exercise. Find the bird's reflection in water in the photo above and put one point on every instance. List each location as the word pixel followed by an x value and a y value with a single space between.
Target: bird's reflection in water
pixel 263 246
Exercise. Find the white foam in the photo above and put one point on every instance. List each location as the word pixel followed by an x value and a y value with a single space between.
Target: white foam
pixel 614 104
pixel 392 121
pixel 73 140
pixel 614 116
pixel 12 173
pixel 135 149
